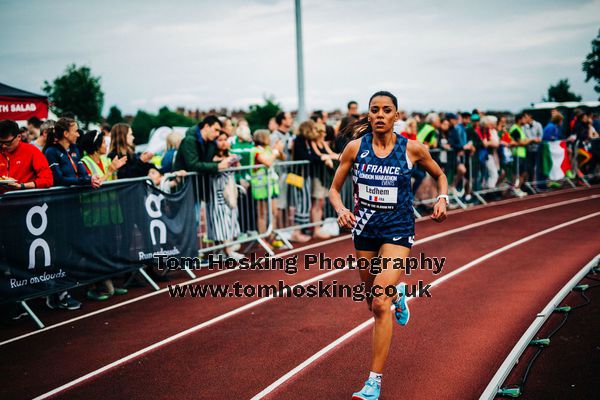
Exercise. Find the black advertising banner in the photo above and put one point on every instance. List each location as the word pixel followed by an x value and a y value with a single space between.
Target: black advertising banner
pixel 57 239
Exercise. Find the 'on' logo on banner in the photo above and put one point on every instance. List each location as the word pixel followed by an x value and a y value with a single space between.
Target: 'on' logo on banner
pixel 38 231
pixel 153 205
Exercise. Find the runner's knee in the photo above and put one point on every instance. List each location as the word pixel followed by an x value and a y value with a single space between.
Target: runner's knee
pixel 381 305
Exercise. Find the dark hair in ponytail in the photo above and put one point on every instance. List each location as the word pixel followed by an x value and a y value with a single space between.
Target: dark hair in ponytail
pixel 362 126
pixel 58 131
pixel 90 142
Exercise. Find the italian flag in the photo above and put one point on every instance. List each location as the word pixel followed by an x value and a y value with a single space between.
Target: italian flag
pixel 555 160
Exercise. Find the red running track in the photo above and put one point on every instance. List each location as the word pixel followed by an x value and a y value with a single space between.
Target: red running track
pixel 451 348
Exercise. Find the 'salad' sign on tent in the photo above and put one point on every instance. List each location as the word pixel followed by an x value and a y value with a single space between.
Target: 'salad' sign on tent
pixel 19 105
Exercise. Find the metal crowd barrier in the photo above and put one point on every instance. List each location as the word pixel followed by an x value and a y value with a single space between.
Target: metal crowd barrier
pixel 141 269
pixel 509 176
pixel 304 199
pixel 231 204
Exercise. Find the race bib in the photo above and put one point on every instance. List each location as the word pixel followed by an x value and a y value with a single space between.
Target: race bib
pixel 377 197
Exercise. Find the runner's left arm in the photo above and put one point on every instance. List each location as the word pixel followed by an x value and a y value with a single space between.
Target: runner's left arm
pixel 421 155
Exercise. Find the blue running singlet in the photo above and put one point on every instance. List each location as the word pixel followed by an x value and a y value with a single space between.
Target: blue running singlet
pixel 382 192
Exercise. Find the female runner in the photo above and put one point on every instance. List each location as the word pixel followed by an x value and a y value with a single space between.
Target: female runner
pixel 383 221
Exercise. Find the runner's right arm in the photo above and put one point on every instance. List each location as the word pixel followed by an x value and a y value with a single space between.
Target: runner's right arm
pixel 346 218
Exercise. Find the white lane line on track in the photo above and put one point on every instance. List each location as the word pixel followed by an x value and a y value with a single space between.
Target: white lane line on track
pixel 165 289
pixel 516 200
pixel 237 311
pixel 437 282
pixel 178 336
pixel 292 251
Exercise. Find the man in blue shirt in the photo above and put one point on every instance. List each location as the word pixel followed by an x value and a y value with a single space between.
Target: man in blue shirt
pixel 457 138
pixel 552 130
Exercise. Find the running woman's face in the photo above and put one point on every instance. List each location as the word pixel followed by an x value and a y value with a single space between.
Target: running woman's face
pixel 382 114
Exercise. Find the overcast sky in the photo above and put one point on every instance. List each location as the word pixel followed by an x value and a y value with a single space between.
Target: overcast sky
pixel 432 55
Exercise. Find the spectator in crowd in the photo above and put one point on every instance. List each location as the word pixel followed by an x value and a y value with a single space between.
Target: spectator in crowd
pixel 438 140
pixel 40 142
pixel 457 138
pixel 95 161
pixel 23 163
pixel 351 116
pixel 227 126
pixel 24 133
pixel 552 131
pixel 320 117
pixel 262 178
pixel 428 134
pixel 282 134
pixel 272 126
pixel 444 144
pixel 352 110
pixel 410 131
pixel 165 182
pixel 561 130
pixel 583 127
pixel 480 142
pixel 100 210
pixel 302 151
pixel 196 153
pixel 105 129
pixel 241 145
pixel 68 169
pixel 504 151
pixel 586 136
pixel 479 152
pixel 465 121
pixel 64 157
pixel 33 129
pixel 419 117
pixel 321 171
pixel 222 213
pixel 400 125
pixel 492 163
pixel 168 161
pixel 533 131
pixel 520 152
pixel 198 148
pixel 341 139
pixel 122 145
pixel 596 121
pixel 242 137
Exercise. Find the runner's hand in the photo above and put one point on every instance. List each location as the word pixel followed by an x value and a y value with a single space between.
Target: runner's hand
pixel 346 219
pixel 439 211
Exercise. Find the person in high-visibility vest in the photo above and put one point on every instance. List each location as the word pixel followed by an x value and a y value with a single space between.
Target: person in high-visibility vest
pixel 262 178
pixel 428 134
pixel 520 151
pixel 100 210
